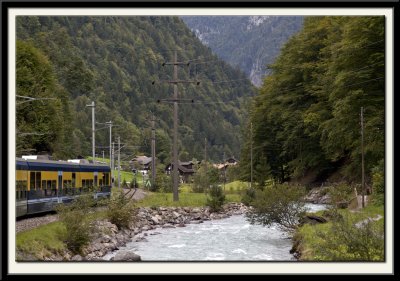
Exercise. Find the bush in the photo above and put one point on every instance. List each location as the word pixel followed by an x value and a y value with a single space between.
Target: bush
pixel 75 217
pixel 215 198
pixel 378 178
pixel 280 204
pixel 341 192
pixel 249 196
pixel 121 210
pixel 347 240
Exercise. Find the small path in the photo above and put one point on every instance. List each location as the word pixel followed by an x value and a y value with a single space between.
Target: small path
pixel 363 222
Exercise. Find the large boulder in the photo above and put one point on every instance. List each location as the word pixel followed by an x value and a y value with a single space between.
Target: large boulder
pixel 126 256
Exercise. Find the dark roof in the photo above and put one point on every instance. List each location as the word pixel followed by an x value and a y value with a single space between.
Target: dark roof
pixel 49 165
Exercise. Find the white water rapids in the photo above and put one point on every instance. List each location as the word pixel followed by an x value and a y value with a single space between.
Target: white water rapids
pixel 233 239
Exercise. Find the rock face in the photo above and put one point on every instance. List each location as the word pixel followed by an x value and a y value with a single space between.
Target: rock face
pixel 318 196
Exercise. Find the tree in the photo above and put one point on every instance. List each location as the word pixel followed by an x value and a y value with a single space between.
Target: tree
pixel 279 204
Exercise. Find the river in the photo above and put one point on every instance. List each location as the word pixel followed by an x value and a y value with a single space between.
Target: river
pixel 233 239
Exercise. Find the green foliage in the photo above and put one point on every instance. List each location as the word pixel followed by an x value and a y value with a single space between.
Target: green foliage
pixel 346 240
pixel 280 204
pixel 120 210
pixel 249 196
pixel 378 178
pixel 306 115
pixel 75 216
pixel 341 192
pixel 113 61
pixel 215 198
pixel 205 176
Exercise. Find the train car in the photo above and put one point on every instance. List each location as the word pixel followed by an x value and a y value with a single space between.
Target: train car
pixel 42 184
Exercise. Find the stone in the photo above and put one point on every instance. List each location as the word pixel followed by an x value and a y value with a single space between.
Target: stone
pixel 127 256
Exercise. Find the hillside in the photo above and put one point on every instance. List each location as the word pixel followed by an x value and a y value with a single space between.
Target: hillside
pixel 247 42
pixel 113 61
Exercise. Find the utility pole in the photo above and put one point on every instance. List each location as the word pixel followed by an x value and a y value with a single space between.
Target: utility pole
pixel 103 155
pixel 119 162
pixel 223 161
pixel 110 124
pixel 153 152
pixel 175 81
pixel 251 154
pixel 92 105
pixel 175 190
pixel 362 158
pixel 112 161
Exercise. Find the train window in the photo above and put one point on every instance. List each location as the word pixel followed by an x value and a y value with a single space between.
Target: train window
pixel 44 186
pixel 32 180
pixel 38 179
pixel 83 183
pixel 95 180
pixel 73 179
pixel 54 184
pixel 90 182
pixel 100 182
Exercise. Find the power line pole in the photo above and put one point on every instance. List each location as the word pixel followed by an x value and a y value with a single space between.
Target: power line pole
pixel 103 155
pixel 251 154
pixel 223 161
pixel 175 81
pixel 119 162
pixel 176 195
pixel 362 158
pixel 110 124
pixel 153 152
pixel 92 105
pixel 112 160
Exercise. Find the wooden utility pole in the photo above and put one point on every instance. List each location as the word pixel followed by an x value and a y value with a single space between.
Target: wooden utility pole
pixel 153 152
pixel 362 158
pixel 119 162
pixel 175 100
pixel 251 154
pixel 92 105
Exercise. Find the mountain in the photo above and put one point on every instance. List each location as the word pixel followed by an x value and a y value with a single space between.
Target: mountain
pixel 247 42
pixel 117 62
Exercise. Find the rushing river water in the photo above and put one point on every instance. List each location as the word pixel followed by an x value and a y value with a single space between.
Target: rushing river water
pixel 233 239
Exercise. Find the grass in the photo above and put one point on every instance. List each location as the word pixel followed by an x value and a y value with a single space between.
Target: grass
pixel 185 200
pixel 236 186
pixel 42 241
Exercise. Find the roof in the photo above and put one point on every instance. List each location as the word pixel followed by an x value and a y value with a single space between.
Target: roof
pixel 143 160
pixel 50 165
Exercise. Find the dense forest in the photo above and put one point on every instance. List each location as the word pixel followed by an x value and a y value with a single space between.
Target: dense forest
pixel 247 42
pixel 306 118
pixel 68 62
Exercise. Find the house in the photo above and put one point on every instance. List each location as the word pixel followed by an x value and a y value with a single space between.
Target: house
pixel 185 170
pixel 141 163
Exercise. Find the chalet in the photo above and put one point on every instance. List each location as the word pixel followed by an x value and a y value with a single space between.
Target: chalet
pixel 141 163
pixel 185 170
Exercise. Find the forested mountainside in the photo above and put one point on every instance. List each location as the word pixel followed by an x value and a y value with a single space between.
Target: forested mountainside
pixel 248 42
pixel 307 115
pixel 117 63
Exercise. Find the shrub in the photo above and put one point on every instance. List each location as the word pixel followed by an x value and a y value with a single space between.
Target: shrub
pixel 280 204
pixel 348 239
pixel 75 217
pixel 121 210
pixel 215 198
pixel 249 196
pixel 378 178
pixel 341 192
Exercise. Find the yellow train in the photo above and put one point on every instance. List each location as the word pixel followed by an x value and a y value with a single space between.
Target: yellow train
pixel 42 184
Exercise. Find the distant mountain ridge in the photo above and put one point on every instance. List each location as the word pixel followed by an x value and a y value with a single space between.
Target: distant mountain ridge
pixel 247 42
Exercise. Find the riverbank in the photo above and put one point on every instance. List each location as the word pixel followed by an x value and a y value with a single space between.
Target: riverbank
pixel 108 237
pixel 347 235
